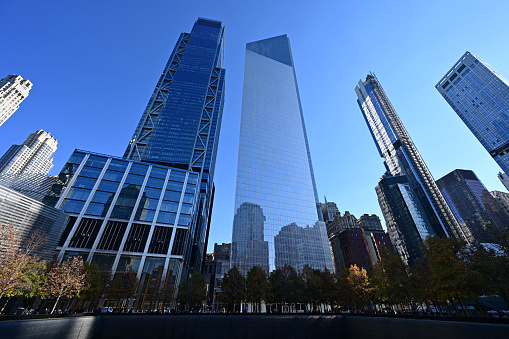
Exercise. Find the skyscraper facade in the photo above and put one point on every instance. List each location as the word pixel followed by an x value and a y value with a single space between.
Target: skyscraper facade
pixel 180 126
pixel 149 212
pixel 405 220
pixel 275 180
pixel 402 157
pixel 480 97
pixel 24 167
pixel 473 204
pixel 13 90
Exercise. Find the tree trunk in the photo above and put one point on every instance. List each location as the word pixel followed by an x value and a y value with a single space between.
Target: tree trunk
pixel 55 305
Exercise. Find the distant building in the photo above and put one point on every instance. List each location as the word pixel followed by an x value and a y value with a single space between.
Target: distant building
pixel 222 257
pixel 356 241
pixel 502 200
pixel 28 215
pixel 329 210
pixel 473 204
pixel 504 178
pixel 370 222
pixel 25 167
pixel 13 90
pixel 354 249
pixel 480 97
pixel 375 235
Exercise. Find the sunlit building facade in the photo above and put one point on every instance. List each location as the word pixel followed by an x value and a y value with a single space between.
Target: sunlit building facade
pixel 25 167
pixel 149 212
pixel 13 90
pixel 480 97
pixel 403 159
pixel 127 216
pixel 276 202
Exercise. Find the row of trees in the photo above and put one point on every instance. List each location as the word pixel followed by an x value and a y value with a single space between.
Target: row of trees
pixel 24 274
pixel 449 273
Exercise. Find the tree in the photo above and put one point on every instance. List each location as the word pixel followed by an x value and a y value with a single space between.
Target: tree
pixel 122 286
pixel 356 282
pixel 94 280
pixel 311 292
pixel 65 280
pixel 193 291
pixel 284 286
pixel 390 280
pixel 257 285
pixel 233 287
pixel 20 269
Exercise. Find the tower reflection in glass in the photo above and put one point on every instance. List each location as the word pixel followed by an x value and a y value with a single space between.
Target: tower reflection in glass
pixel 276 220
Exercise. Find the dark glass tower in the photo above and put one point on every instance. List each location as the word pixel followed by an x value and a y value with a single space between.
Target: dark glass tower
pixel 275 198
pixel 480 97
pixel 180 126
pixel 472 204
pixel 402 158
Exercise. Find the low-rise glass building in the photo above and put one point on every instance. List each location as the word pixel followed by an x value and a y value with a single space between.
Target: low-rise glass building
pixel 127 216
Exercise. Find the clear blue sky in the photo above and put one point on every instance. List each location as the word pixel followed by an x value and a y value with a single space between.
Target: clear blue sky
pixel 94 65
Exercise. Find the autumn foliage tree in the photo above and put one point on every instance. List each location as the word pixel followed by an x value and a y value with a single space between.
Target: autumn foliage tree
pixel 20 268
pixel 65 280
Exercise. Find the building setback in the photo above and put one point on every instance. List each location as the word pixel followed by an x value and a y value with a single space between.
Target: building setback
pixel 149 212
pixel 473 204
pixel 13 90
pixel 274 173
pixel 480 97
pixel 181 124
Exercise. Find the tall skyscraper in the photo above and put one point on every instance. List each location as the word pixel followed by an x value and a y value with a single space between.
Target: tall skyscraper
pixel 402 157
pixel 274 173
pixel 480 97
pixel 13 90
pixel 149 212
pixel 24 167
pixel 472 204
pixel 180 126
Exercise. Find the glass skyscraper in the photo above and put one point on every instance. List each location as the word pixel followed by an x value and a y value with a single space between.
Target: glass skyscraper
pixel 472 204
pixel 402 158
pixel 480 97
pixel 149 212
pixel 180 126
pixel 277 219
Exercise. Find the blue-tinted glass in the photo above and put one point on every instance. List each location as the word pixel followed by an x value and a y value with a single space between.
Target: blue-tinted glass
pixel 118 165
pixel 174 186
pixel 157 172
pixel 169 206
pixel 276 220
pixel 154 182
pixel 107 186
pixel 82 182
pixel 166 218
pixel 134 179
pixel 172 196
pixel 177 176
pixel 90 172
pixel 138 169
pixel 96 161
pixel 113 175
